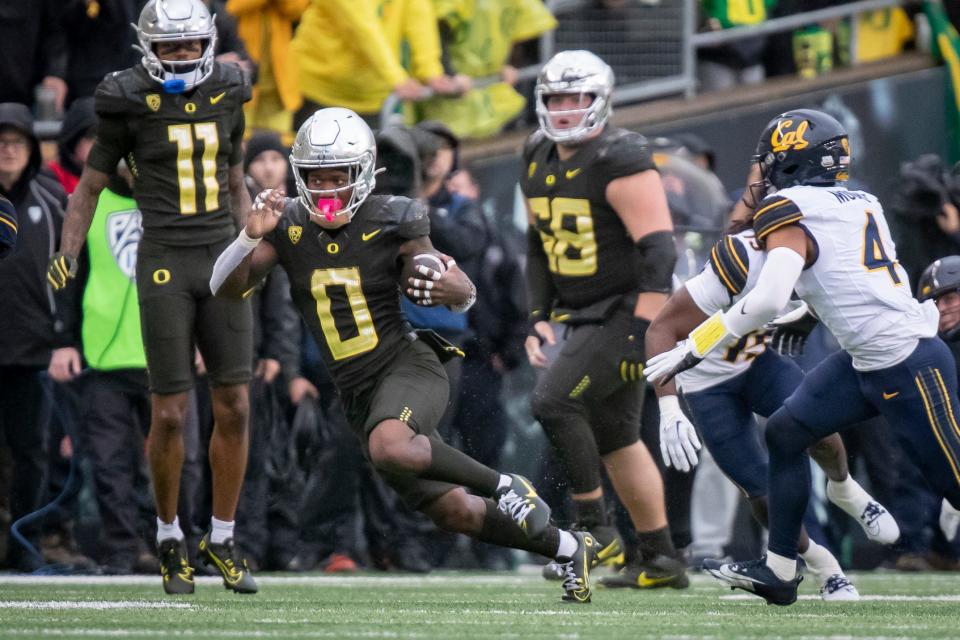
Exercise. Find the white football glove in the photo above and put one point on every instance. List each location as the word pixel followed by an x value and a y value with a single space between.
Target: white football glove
pixel 678 439
pixel 662 367
pixel 949 520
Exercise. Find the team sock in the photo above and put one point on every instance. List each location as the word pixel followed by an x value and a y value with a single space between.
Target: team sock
pixel 220 530
pixel 454 466
pixel 168 530
pixel 656 542
pixel 591 513
pixel 783 568
pixel 820 561
pixel 568 545
pixel 500 529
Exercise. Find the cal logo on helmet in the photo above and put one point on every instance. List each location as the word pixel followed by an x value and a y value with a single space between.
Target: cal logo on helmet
pixel 784 137
pixel 294 232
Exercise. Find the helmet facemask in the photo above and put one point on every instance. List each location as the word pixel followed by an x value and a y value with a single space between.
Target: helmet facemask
pixel 176 21
pixel 578 73
pixel 589 119
pixel 327 206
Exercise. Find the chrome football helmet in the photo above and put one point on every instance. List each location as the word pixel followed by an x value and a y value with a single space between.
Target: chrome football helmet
pixel 579 73
pixel 334 138
pixel 171 21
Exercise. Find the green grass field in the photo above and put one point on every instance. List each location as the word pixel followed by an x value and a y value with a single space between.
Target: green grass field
pixel 455 606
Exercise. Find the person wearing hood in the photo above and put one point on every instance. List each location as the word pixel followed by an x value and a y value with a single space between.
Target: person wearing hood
pixel 77 135
pixel 28 336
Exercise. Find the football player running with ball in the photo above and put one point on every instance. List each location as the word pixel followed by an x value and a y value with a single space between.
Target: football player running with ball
pixel 745 377
pixel 177 120
pixel 600 261
pixel 833 247
pixel 348 254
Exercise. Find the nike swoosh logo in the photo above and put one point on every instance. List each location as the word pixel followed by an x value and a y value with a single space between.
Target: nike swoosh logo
pixel 644 581
pixel 572 173
pixel 217 98
pixel 367 236
pixel 531 492
pixel 889 396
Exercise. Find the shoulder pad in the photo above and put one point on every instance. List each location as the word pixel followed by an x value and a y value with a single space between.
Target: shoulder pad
pixel 773 212
pixel 731 262
pixel 231 76
pixel 113 95
pixel 534 140
pixel 412 217
pixel 294 216
pixel 624 153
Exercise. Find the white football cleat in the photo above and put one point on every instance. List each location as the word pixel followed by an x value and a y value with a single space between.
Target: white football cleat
pixel 838 588
pixel 876 521
pixel 949 520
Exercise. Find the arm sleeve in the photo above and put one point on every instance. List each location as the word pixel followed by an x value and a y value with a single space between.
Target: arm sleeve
pixel 772 292
pixel 773 213
pixel 708 292
pixel 541 291
pixel 423 35
pixel 730 262
pixel 8 227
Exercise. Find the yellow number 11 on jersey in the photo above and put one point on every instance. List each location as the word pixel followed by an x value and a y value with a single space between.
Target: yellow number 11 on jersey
pixel 182 135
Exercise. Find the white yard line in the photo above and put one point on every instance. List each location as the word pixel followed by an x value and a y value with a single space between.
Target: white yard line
pixel 867 598
pixel 92 604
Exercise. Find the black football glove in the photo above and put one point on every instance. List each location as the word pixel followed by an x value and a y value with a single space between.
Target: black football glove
pixel 631 366
pixel 60 270
pixel 790 332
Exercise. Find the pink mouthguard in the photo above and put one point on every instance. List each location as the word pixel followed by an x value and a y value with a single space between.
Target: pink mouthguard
pixel 329 207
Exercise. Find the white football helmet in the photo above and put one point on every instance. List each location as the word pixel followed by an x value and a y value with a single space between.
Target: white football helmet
pixel 578 73
pixel 171 21
pixel 335 138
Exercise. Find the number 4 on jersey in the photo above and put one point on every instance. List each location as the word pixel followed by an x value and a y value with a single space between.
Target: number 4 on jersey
pixel 874 255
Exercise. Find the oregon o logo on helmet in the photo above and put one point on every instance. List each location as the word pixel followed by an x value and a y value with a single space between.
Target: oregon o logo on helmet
pixel 782 140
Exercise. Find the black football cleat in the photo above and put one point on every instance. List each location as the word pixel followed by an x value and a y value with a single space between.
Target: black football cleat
pixel 521 502
pixel 576 569
pixel 226 559
pixel 609 553
pixel 653 573
pixel 757 578
pixel 174 568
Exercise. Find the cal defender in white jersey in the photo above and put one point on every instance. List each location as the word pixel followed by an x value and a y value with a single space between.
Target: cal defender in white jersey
pixel 833 246
pixel 737 380
pixel 855 284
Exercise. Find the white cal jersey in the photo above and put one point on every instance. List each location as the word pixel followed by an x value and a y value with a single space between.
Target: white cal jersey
pixel 855 285
pixel 733 270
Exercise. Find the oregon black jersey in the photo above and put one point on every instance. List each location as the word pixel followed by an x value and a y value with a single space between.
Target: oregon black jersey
pixel 179 148
pixel 589 252
pixel 345 282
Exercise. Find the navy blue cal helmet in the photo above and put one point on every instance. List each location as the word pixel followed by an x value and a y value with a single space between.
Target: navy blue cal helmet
pixel 802 147
pixel 943 276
